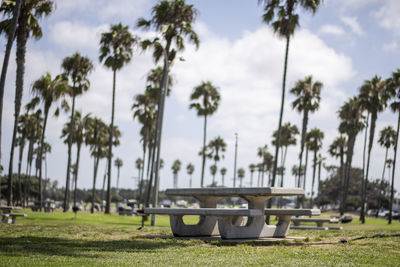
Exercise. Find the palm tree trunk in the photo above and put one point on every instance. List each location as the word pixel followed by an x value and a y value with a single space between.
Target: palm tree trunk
pixel 349 158
pixel 22 36
pixel 278 138
pixel 370 144
pixel 28 167
pixel 305 170
pixel 319 178
pixel 71 126
pixel 46 113
pixel 78 154
pixel 382 179
pixel 313 178
pixel 10 40
pixel 21 153
pixel 393 171
pixel 95 167
pixel 251 180
pixel 108 201
pixel 190 181
pixel 203 162
pixel 104 181
pixel 164 85
pixel 118 180
pixel 141 178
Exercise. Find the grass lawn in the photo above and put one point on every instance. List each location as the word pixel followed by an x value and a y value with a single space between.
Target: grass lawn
pixel 60 239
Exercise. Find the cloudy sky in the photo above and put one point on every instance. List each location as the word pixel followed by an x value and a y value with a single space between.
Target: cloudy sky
pixel 344 44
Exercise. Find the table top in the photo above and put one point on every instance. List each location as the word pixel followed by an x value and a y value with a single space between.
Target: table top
pixel 9 208
pixel 236 192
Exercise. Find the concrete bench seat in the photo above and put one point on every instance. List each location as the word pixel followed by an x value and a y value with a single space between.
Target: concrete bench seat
pixel 318 221
pixel 293 212
pixel 6 217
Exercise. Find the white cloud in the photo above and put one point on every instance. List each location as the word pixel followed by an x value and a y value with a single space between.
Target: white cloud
pixel 391 47
pixel 331 29
pixel 353 4
pixel 388 16
pixel 354 25
pixel 105 10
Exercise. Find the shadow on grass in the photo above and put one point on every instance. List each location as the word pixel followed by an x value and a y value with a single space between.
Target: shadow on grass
pixel 79 248
pixel 376 236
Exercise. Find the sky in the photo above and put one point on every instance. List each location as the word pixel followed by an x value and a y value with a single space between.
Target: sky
pixel 345 43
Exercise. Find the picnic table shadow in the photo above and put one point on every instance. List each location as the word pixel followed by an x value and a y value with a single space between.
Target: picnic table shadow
pixel 30 245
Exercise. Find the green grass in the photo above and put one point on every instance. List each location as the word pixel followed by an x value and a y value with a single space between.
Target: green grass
pixel 60 239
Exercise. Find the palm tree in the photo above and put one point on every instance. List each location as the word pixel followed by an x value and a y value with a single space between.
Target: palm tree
pixel 23 131
pixel 205 99
pixel 145 109
pixel 118 163
pixel 223 173
pixel 49 91
pixel 241 173
pixel 288 138
pixel 139 166
pixel 176 167
pixel 373 98
pixel 252 168
pixel 115 52
pixel 281 14
pixel 173 19
pixel 297 172
pixel 12 27
pixel 217 147
pixel 393 84
pixel 351 124
pixel 387 140
pixel 76 69
pixel 28 25
pixel 34 137
pixel 338 149
pixel 78 137
pixel 213 170
pixel 96 138
pixel 261 153
pixel 315 139
pixel 308 95
pixel 190 170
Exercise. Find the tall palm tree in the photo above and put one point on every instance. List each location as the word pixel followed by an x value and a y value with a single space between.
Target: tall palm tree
pixel 288 138
pixel 282 16
pixel 78 137
pixel 173 19
pixel 34 137
pixel 115 52
pixel 308 95
pixel 338 149
pixel 28 25
pixel 217 147
pixel 176 167
pixel 118 163
pixel 213 171
pixel 252 168
pixel 315 138
pixel 145 109
pixel 351 124
pixel 373 98
pixel 49 91
pixel 12 27
pixel 139 166
pixel 96 138
pixel 76 69
pixel 261 153
pixel 205 99
pixel 223 173
pixel 393 84
pixel 23 131
pixel 241 173
pixel 387 140
pixel 190 170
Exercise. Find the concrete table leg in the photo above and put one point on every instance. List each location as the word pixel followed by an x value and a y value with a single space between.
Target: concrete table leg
pixel 207 225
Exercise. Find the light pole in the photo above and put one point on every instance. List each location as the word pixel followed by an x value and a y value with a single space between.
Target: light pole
pixel 234 166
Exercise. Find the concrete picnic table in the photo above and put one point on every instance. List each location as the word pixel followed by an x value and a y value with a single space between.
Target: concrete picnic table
pixel 227 222
pixel 7 211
